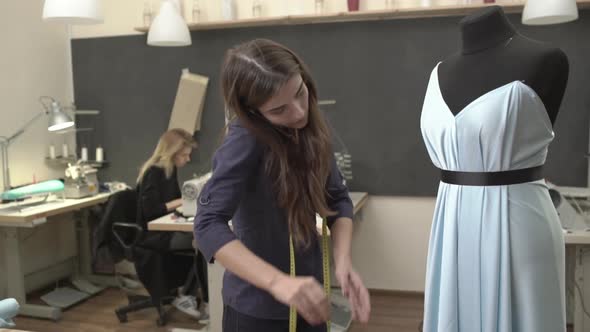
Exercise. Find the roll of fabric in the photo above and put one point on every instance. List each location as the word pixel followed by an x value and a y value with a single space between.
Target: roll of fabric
pixel 8 310
pixel 189 101
pixel 50 186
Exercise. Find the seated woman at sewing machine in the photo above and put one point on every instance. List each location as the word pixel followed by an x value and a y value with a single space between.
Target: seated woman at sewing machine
pixel 159 194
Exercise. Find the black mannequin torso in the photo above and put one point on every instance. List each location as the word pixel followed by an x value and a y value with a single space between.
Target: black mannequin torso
pixel 494 54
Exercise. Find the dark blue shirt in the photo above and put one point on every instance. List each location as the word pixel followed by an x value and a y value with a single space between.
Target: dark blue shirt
pixel 240 190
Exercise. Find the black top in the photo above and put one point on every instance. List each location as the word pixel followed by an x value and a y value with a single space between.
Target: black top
pixel 493 54
pixel 154 191
pixel 240 189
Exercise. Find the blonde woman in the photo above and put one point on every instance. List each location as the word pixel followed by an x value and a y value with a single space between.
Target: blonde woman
pixel 158 195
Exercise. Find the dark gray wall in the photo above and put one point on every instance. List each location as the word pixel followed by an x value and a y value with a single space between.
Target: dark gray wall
pixel 377 71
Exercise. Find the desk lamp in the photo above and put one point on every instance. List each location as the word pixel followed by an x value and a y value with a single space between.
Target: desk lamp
pixel 58 120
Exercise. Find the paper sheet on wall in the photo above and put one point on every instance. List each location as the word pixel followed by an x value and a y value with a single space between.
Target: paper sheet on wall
pixel 189 101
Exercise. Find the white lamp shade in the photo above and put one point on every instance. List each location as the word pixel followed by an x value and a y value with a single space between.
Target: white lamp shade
pixel 169 28
pixel 60 126
pixel 542 12
pixel 58 120
pixel 73 11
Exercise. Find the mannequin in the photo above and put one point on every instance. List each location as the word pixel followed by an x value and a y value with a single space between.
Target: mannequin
pixel 493 54
pixel 496 253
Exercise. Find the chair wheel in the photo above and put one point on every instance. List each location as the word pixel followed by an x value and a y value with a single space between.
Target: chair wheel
pixel 121 316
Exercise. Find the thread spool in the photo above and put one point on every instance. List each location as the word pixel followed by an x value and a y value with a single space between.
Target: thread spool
pixel 99 154
pixel 64 151
pixel 84 154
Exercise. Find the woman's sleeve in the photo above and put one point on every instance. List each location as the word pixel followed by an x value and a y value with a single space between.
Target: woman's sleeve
pixel 338 199
pixel 233 165
pixel 152 205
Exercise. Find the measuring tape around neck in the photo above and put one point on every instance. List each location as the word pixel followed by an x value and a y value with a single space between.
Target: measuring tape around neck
pixel 326 273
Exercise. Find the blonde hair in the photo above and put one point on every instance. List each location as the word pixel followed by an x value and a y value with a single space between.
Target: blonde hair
pixel 171 142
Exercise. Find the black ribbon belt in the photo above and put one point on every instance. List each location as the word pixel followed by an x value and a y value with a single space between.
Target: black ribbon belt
pixel 492 178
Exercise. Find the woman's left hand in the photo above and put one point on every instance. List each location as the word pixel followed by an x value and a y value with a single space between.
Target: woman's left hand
pixel 354 290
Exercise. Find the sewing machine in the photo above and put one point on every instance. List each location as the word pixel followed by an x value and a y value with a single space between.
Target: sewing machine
pixel 80 181
pixel 573 207
pixel 190 193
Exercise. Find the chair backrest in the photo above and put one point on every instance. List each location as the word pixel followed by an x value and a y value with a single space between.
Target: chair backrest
pixel 124 206
pixel 121 208
pixel 122 232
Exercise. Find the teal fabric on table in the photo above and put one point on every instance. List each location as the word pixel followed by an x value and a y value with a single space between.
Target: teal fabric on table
pixel 50 186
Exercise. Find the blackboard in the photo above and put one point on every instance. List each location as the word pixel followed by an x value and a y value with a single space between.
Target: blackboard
pixel 377 72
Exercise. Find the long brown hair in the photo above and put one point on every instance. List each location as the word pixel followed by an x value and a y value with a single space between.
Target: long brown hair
pixel 170 143
pixel 299 160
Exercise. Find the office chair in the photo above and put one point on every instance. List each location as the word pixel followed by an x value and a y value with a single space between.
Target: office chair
pixel 128 236
pixel 127 243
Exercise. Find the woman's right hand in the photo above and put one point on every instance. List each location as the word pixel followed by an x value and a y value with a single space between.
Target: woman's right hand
pixel 305 294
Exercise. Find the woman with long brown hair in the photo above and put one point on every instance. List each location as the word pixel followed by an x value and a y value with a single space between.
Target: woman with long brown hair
pixel 274 171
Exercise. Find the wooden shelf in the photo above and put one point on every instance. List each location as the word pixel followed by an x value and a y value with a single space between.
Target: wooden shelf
pixel 386 14
pixel 61 161
pixel 95 163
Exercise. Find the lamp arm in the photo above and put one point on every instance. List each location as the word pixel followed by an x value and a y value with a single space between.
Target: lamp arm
pixel 24 127
pixel 5 141
pixel 47 109
pixel 76 111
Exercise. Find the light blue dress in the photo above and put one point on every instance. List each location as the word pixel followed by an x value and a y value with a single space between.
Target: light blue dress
pixel 496 258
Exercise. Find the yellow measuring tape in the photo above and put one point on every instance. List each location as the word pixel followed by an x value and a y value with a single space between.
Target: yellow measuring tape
pixel 326 271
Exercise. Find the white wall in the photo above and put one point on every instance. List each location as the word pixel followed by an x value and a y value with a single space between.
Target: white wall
pixel 390 242
pixel 34 61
